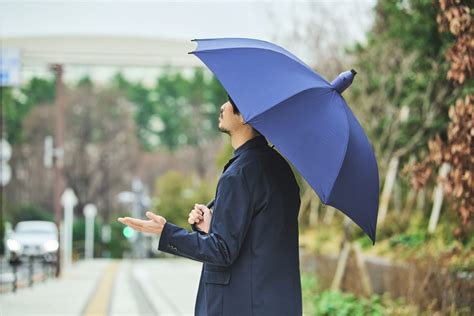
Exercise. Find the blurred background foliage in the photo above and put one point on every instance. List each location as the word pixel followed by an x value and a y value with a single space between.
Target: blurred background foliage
pixel 166 133
pixel 401 96
pixel 413 95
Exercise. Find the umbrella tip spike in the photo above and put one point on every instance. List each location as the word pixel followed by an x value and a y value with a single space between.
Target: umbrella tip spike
pixel 343 80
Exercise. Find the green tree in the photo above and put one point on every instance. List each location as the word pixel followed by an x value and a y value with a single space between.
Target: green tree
pixel 16 104
pixel 180 109
pixel 402 69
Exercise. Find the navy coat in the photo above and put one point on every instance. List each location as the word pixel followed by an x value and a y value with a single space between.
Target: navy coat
pixel 250 255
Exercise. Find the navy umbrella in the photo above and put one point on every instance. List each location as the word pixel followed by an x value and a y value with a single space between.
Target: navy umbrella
pixel 305 117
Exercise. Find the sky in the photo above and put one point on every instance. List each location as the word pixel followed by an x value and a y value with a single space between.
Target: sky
pixel 180 20
pixel 167 19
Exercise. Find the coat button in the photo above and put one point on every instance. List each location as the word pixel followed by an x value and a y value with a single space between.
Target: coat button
pixel 172 247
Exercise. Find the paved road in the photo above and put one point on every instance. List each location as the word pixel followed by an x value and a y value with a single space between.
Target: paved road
pixel 164 286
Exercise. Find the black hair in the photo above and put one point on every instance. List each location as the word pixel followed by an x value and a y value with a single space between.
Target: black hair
pixel 234 107
pixel 236 111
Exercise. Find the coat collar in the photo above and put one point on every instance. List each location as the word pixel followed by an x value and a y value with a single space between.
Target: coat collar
pixel 257 141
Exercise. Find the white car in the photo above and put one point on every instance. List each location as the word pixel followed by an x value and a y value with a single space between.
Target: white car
pixel 34 238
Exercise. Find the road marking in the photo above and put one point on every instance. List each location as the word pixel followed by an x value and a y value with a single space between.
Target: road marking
pixel 98 304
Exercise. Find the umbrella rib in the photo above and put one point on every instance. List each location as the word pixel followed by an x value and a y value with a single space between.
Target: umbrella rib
pixel 345 150
pixel 291 96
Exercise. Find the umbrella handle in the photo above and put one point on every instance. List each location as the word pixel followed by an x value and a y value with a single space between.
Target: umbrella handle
pixel 210 204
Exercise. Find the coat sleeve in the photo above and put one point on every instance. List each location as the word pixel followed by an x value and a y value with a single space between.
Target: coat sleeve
pixel 232 214
pixel 194 228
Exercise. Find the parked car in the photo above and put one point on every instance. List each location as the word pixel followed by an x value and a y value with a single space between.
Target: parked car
pixel 34 238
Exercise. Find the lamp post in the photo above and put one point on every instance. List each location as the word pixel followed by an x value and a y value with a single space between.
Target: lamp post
pixel 90 211
pixel 68 201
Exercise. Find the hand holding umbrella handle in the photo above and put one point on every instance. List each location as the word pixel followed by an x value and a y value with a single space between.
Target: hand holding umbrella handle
pixel 209 206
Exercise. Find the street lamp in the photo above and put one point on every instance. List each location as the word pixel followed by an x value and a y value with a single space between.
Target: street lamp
pixel 90 211
pixel 68 200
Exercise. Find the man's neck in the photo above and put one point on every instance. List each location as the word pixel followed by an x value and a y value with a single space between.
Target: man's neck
pixel 239 139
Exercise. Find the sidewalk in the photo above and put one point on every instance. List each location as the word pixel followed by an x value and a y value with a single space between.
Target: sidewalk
pixel 99 287
pixel 64 296
pixel 170 285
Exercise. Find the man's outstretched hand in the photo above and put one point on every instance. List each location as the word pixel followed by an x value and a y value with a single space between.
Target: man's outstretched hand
pixel 153 226
pixel 200 215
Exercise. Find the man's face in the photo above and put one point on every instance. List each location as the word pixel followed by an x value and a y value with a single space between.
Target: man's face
pixel 228 120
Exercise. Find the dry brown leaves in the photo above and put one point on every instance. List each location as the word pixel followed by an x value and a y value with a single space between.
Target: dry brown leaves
pixel 456 18
pixel 458 150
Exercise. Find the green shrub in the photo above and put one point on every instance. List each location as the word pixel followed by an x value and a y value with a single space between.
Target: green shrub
pixel 408 240
pixel 341 304
pixel 317 301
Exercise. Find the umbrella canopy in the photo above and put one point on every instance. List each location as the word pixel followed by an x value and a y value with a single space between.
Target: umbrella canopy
pixel 304 116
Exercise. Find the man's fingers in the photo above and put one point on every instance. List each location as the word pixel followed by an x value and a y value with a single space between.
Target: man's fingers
pixel 197 214
pixel 124 220
pixel 203 208
pixel 200 207
pixel 135 227
pixel 154 217
pixel 194 219
pixel 134 221
pixel 144 226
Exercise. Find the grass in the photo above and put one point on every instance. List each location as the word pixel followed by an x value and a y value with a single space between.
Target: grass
pixel 398 240
pixel 317 301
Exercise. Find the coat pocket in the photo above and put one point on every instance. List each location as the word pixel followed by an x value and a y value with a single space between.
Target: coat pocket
pixel 216 277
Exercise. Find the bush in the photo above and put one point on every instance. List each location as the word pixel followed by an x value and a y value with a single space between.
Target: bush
pixel 340 304
pixel 176 194
pixel 318 301
pixel 408 240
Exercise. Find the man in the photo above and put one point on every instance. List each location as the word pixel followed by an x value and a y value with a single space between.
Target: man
pixel 249 242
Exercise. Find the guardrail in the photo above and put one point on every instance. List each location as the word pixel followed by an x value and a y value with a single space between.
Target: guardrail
pixel 27 270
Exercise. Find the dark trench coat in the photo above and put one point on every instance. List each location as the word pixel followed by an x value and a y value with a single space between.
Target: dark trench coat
pixel 250 255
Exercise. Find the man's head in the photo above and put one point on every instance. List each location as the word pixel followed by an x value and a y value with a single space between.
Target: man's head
pixel 231 120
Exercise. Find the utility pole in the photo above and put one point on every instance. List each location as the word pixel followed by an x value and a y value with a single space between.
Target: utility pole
pixel 58 151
